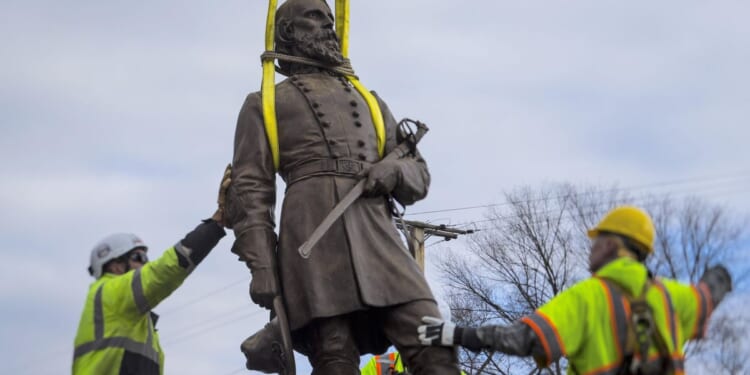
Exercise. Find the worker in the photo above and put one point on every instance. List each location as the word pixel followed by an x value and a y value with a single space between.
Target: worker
pixel 620 321
pixel 116 334
pixel 386 364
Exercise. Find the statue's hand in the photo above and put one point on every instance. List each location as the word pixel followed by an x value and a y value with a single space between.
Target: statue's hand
pixel 264 287
pixel 221 201
pixel 382 178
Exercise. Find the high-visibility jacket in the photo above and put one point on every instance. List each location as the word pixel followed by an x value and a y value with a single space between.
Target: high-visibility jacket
pixel 385 364
pixel 588 322
pixel 116 322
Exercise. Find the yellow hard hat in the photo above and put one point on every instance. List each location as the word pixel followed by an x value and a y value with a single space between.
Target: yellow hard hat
pixel 631 222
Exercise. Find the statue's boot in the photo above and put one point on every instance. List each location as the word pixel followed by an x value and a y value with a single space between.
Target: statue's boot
pixel 264 350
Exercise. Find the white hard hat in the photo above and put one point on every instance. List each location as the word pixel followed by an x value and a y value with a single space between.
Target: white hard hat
pixel 112 247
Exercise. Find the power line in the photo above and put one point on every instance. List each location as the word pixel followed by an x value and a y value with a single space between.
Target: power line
pixel 231 312
pixel 741 175
pixel 204 296
pixel 436 243
pixel 541 213
pixel 641 199
pixel 487 228
pixel 185 337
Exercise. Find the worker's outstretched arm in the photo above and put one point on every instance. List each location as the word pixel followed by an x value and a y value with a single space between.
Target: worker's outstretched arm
pixel 156 280
pixel 540 334
pixel 516 339
pixel 141 290
pixel 695 303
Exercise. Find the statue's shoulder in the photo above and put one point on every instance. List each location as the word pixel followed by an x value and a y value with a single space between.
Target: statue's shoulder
pixel 282 85
pixel 252 100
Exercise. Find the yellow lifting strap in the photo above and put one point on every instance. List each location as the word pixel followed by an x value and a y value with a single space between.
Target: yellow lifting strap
pixel 268 87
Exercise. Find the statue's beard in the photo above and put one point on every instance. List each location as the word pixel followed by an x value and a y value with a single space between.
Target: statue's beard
pixel 322 46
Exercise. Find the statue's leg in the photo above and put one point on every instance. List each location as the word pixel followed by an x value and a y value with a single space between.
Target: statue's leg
pixel 400 326
pixel 333 350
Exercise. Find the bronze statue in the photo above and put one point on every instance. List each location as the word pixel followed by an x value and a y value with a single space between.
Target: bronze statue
pixel 360 290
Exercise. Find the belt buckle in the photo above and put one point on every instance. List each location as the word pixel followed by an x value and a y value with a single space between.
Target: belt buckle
pixel 348 166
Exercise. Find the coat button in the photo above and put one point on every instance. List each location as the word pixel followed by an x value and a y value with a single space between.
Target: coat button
pixel 316 105
pixel 361 143
pixel 362 157
pixel 320 114
pixel 355 114
pixel 326 124
pixel 358 124
pixel 353 103
pixel 348 89
pixel 332 142
pixel 306 89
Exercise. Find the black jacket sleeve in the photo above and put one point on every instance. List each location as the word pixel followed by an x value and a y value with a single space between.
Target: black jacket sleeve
pixel 515 339
pixel 196 245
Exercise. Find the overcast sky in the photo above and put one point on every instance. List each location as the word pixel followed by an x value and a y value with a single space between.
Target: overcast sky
pixel 119 116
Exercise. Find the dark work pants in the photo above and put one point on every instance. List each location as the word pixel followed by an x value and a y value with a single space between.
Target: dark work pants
pixel 333 349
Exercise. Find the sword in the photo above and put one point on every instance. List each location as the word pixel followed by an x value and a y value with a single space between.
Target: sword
pixel 287 352
pixel 404 148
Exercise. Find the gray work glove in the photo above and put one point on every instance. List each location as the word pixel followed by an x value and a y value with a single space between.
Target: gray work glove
pixel 719 282
pixel 382 178
pixel 437 332
pixel 264 286
pixel 226 180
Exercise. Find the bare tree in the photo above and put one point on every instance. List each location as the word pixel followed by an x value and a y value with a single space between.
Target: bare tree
pixel 692 236
pixel 534 245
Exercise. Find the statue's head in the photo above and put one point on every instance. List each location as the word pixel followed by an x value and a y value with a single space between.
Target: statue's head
pixel 305 28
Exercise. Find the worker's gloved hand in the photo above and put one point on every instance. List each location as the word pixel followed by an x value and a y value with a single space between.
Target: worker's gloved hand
pixel 264 287
pixel 719 282
pixel 436 332
pixel 382 178
pixel 226 180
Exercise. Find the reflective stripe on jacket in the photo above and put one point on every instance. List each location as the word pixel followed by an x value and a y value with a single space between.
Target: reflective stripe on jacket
pixel 116 317
pixel 384 365
pixel 588 322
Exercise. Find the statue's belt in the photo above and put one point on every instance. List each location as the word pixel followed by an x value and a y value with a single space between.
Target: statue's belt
pixel 325 167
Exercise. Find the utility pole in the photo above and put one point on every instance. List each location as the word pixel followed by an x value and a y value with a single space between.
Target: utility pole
pixel 419 232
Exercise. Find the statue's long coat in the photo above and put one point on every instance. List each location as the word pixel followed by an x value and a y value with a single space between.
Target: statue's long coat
pixel 361 262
